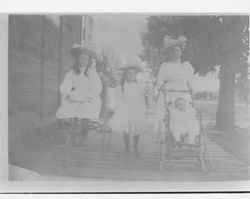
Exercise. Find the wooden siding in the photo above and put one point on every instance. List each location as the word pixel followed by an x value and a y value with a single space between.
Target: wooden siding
pixel 39 59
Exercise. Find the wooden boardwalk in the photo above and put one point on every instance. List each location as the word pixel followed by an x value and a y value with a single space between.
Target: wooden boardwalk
pixel 90 162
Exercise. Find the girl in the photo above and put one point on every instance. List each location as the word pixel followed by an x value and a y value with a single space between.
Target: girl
pixel 81 88
pixel 129 116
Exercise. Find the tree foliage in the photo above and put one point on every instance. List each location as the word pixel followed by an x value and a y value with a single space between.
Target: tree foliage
pixel 212 41
pixel 107 65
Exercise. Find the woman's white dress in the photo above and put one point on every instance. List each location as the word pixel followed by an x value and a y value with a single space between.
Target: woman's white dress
pixel 85 90
pixel 129 115
pixel 175 76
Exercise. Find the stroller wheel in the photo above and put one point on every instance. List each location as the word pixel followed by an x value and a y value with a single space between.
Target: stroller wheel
pixel 204 167
pixel 67 150
pixel 203 159
pixel 161 166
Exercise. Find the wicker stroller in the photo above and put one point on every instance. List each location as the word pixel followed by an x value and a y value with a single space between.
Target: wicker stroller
pixel 169 148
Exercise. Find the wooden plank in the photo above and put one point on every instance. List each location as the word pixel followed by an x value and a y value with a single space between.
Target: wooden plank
pixel 22 55
pixel 27 106
pixel 22 65
pixel 51 73
pixel 79 170
pixel 50 83
pixel 50 28
pixel 49 96
pixel 51 47
pixel 22 80
pixel 116 166
pixel 51 56
pixel 52 41
pixel 60 61
pixel 27 41
pixel 22 96
pixel 42 69
pixel 34 58
pixel 51 61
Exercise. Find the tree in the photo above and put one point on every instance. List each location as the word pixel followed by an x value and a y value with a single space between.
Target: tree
pixel 212 41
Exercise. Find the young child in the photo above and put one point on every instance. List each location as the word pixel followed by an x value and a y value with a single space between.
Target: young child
pixel 129 115
pixel 183 121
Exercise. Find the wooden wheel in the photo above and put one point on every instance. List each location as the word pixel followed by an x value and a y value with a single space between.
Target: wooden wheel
pixel 203 154
pixel 204 159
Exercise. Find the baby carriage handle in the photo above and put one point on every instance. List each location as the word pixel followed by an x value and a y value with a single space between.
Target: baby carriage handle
pixel 191 93
pixel 172 90
pixel 190 90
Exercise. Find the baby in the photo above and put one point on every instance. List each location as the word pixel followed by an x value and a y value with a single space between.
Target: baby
pixel 183 121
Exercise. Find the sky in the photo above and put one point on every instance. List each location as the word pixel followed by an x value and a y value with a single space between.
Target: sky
pixel 121 33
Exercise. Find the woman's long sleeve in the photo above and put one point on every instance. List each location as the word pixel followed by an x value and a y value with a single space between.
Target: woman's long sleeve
pixel 95 84
pixel 165 74
pixel 190 73
pixel 160 78
pixel 66 85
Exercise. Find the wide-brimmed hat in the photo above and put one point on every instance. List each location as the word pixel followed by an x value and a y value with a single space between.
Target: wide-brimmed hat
pixel 88 47
pixel 135 67
pixel 170 41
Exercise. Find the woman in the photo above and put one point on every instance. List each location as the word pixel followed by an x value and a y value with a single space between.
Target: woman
pixel 81 88
pixel 173 75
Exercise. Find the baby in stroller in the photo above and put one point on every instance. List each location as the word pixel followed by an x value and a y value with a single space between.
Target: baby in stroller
pixel 183 122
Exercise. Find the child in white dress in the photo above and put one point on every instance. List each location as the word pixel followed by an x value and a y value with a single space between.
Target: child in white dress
pixel 129 115
pixel 81 89
pixel 183 121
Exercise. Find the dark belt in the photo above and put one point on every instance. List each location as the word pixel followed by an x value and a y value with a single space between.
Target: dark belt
pixel 181 91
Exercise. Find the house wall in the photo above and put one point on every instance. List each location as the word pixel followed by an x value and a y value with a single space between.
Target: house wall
pixel 38 60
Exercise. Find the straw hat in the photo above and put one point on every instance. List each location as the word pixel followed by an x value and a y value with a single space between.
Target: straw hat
pixel 170 41
pixel 135 67
pixel 88 47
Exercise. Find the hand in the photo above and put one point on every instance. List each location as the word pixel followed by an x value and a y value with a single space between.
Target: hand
pixel 69 99
pixel 93 65
pixel 89 99
pixel 86 99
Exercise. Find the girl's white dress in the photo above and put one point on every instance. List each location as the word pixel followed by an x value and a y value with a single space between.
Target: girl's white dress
pixel 129 116
pixel 176 76
pixel 85 90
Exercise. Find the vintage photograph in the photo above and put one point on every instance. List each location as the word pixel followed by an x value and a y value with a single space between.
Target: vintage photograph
pixel 128 97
